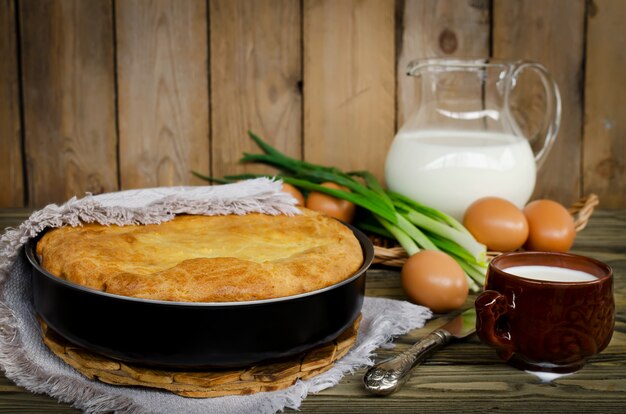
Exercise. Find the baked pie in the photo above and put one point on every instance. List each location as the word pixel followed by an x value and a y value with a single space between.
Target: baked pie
pixel 206 258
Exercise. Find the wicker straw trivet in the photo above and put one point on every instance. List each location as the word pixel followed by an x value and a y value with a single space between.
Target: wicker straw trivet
pixel 396 255
pixel 202 384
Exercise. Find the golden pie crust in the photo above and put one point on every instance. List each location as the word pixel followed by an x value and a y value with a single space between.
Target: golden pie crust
pixel 206 258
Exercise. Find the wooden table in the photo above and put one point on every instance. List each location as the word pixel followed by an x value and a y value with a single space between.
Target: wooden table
pixel 464 377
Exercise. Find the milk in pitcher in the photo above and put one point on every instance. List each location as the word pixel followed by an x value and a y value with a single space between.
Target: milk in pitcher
pixel 448 169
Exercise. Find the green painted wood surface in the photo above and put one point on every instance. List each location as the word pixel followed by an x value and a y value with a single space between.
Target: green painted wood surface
pixel 464 377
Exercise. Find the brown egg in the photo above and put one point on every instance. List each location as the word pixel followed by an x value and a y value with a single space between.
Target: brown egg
pixel 288 188
pixel 496 223
pixel 433 279
pixel 551 227
pixel 331 206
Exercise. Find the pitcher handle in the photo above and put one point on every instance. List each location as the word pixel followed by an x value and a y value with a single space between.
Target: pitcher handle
pixel 553 107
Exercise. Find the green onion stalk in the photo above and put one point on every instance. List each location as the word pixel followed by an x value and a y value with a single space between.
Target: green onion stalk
pixel 413 225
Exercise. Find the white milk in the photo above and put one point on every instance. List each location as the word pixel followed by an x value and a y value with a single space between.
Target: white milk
pixel 548 376
pixel 448 170
pixel 550 273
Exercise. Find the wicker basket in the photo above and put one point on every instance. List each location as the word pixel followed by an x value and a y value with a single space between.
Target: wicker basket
pixel 269 376
pixel 394 255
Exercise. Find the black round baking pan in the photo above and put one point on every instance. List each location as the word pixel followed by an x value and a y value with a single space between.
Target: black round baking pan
pixel 196 335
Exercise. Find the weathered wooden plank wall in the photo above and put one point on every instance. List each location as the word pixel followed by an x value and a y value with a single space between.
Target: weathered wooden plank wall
pixel 163 94
pixel 68 98
pixel 11 170
pixel 108 94
pixel 348 82
pixel 551 33
pixel 437 28
pixel 604 134
pixel 256 67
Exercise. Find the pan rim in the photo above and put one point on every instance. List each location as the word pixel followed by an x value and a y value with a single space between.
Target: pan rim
pixel 367 249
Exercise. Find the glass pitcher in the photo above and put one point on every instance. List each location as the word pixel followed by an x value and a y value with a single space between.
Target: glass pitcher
pixel 463 142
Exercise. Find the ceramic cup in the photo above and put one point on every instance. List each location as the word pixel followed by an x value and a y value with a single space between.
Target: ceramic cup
pixel 543 325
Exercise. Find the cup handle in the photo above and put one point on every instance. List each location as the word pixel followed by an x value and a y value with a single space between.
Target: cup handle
pixel 553 107
pixel 491 307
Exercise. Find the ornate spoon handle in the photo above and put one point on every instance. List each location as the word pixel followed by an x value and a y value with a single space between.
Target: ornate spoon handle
pixel 389 375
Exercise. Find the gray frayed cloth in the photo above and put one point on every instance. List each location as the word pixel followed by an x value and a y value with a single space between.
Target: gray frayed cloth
pixel 27 361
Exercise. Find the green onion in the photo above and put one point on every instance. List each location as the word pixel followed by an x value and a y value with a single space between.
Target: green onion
pixel 402 237
pixel 463 239
pixel 372 228
pixel 414 226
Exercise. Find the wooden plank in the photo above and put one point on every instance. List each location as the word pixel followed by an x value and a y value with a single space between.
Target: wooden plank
pixel 255 70
pixel 438 28
pixel 349 82
pixel 604 135
pixel 551 34
pixel 11 169
pixel 69 113
pixel 163 92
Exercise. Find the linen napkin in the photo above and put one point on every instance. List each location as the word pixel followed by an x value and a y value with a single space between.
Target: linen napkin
pixel 29 363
